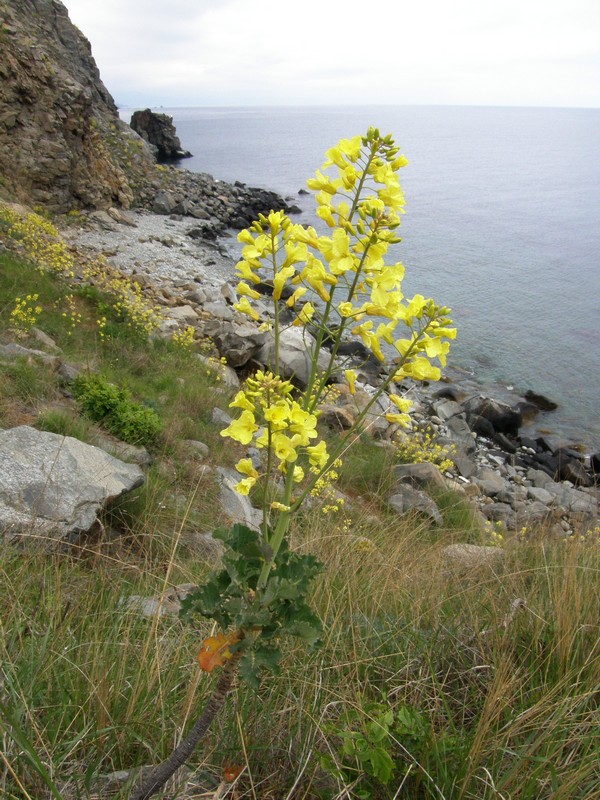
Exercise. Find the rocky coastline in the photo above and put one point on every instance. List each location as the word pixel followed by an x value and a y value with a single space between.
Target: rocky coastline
pixel 180 260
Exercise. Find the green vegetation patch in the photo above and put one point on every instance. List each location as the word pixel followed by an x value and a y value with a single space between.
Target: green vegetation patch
pixel 114 407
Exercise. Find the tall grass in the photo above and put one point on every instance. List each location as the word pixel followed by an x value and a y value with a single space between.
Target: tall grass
pixel 504 708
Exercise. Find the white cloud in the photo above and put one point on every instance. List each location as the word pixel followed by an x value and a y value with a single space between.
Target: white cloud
pixel 541 52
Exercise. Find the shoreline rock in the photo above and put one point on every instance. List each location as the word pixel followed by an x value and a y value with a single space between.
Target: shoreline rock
pixel 158 130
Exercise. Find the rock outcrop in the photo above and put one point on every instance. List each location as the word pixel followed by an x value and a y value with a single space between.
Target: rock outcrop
pixel 158 130
pixel 62 144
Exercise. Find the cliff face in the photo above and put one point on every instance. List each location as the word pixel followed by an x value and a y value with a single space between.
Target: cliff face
pixel 61 142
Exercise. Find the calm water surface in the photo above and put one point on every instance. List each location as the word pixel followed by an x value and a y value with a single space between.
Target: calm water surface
pixel 502 224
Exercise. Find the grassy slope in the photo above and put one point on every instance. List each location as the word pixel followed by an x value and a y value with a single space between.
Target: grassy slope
pixel 483 704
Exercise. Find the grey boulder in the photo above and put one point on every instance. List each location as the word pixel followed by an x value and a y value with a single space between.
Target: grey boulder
pixel 52 487
pixel 296 351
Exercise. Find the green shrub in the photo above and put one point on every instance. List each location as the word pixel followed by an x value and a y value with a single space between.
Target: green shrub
pixel 116 410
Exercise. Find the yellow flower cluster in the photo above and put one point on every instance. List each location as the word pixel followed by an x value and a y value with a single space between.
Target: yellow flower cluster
pixel 41 244
pixel 332 501
pixel 129 300
pixel 494 534
pixel 590 537
pixel 273 420
pixel 420 446
pixel 25 313
pixel 346 271
pixel 184 339
pixel 101 323
pixel 39 241
pixel 216 368
pixel 335 285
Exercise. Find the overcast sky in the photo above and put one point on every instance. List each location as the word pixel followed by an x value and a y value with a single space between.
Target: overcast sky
pixel 314 52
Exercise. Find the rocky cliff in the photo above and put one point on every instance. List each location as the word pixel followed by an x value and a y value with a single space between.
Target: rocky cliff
pixel 61 142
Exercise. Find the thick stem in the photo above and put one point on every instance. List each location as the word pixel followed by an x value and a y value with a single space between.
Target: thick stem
pixel 161 774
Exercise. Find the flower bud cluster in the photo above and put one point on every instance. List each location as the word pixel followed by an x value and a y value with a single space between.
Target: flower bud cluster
pixel 273 420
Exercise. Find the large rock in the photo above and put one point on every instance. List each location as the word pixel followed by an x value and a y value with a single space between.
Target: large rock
pixel 420 475
pixel 489 482
pixel 12 350
pixel 237 506
pixel 53 487
pixel 502 417
pixel 296 351
pixel 158 130
pixel 237 341
pixel 406 499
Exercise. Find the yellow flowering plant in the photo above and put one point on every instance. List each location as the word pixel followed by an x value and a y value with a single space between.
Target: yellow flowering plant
pixel 330 286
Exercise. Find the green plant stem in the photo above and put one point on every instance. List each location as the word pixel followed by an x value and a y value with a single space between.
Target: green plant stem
pixel 161 774
pixel 281 527
pixel 275 304
pixel 343 445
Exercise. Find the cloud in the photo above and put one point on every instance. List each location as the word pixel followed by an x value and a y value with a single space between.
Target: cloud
pixel 393 51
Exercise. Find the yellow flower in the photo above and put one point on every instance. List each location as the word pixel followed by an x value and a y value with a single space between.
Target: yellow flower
pixel 298 474
pixel 324 212
pixel 317 454
pixel 244 270
pixel 276 220
pixel 244 289
pixel 402 403
pixel 279 506
pixel 305 314
pixel 284 447
pixel 346 309
pixel 336 251
pixel 302 424
pixel 242 429
pixel 323 184
pixel 244 307
pixel 244 486
pixel 349 176
pixel 399 419
pixel 245 237
pixel 435 348
pixel 241 401
pixel 416 306
pixel 315 274
pixel 370 339
pixel 291 301
pixel 420 369
pixel 351 378
pixel 280 279
pixel 294 252
pixel 246 467
pixel 277 414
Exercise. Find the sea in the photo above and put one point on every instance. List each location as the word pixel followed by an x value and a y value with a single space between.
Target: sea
pixel 502 224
